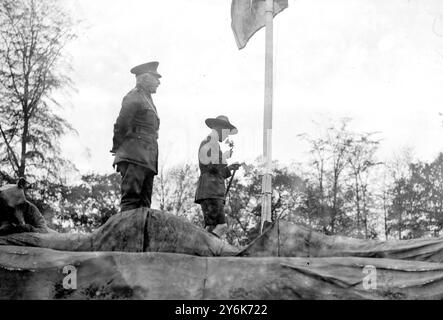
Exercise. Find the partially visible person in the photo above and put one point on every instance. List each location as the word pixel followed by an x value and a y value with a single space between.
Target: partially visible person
pixel 211 187
pixel 135 139
pixel 17 214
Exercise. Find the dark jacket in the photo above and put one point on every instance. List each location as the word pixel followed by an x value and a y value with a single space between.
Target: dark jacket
pixel 213 172
pixel 33 217
pixel 136 131
pixel 24 218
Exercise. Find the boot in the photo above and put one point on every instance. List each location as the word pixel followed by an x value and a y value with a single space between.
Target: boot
pixel 220 230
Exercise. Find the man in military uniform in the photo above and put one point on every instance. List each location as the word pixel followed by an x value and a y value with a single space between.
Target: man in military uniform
pixel 135 139
pixel 214 170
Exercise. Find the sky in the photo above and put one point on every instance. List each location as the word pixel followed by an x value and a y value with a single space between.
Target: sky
pixel 379 62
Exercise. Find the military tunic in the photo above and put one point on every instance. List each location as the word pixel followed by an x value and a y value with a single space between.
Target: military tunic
pixel 136 131
pixel 136 148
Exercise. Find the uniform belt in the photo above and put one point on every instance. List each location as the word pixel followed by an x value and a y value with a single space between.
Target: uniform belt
pixel 212 172
pixel 144 132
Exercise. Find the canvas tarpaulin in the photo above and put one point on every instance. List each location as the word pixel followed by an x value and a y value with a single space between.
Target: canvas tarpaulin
pixel 290 240
pixel 37 273
pixel 149 254
pixel 147 230
pixel 137 230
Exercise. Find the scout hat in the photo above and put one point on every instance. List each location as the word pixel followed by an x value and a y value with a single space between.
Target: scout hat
pixel 150 67
pixel 221 122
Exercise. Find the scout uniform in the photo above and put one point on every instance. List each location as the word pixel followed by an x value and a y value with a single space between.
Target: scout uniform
pixel 211 188
pixel 135 144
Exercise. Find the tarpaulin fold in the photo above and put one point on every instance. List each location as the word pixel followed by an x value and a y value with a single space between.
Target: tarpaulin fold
pixel 290 240
pixel 37 273
pixel 136 230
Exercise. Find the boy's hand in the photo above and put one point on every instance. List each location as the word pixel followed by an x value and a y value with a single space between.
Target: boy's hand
pixel 234 166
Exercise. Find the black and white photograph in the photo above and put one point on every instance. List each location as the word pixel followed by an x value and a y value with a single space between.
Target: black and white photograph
pixel 244 151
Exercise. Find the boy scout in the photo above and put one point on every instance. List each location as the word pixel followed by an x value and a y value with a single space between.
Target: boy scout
pixel 214 170
pixel 135 139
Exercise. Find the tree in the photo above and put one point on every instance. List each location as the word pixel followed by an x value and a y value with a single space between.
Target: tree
pixel 433 180
pixel 33 34
pixel 417 209
pixel 244 200
pixel 361 159
pixel 398 173
pixel 174 189
pixel 315 206
pixel 329 154
pixel 383 197
pixel 82 207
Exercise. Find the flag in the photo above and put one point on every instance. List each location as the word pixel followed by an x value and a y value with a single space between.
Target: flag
pixel 249 16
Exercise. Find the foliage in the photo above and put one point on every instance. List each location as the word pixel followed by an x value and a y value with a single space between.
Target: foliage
pixel 174 190
pixel 417 204
pixel 32 37
pixel 82 207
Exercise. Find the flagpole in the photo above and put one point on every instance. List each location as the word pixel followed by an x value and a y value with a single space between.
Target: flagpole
pixel 267 118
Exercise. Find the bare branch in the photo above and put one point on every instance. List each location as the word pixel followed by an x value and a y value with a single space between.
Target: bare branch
pixel 10 150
